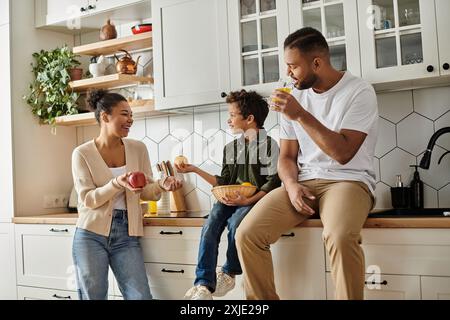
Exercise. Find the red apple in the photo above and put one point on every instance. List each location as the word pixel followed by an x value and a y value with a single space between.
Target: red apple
pixel 137 179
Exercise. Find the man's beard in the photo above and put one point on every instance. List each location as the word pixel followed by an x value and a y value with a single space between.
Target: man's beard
pixel 307 83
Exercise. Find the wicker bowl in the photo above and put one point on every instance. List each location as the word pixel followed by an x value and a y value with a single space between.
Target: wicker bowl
pixel 229 191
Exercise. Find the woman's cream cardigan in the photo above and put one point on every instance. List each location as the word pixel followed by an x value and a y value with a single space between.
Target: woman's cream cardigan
pixel 94 184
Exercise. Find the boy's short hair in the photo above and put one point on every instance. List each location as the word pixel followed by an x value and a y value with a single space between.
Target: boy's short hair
pixel 250 103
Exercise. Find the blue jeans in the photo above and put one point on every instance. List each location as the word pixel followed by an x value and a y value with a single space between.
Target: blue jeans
pixel 93 253
pixel 221 216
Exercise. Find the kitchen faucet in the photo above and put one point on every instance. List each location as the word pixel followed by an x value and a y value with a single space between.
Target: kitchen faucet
pixel 426 159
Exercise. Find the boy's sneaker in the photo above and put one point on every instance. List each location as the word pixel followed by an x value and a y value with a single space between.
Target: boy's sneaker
pixel 198 293
pixel 225 283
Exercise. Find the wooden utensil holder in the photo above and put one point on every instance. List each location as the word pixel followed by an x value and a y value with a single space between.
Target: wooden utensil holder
pixel 177 201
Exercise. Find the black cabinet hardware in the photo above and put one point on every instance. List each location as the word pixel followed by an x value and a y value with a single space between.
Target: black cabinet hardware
pixel 61 297
pixel 172 271
pixel 59 230
pixel 291 235
pixel 167 232
pixel 384 283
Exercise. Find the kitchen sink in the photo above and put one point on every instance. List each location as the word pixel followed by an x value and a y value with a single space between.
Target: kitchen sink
pixel 412 213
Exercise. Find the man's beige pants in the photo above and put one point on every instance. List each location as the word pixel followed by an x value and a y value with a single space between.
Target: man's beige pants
pixel 343 207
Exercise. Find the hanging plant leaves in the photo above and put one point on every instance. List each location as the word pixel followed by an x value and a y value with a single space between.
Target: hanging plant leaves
pixel 50 95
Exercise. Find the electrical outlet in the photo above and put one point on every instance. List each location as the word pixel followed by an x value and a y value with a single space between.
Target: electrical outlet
pixel 55 201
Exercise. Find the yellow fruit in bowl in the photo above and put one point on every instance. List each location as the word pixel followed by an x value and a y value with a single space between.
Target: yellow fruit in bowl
pixel 248 184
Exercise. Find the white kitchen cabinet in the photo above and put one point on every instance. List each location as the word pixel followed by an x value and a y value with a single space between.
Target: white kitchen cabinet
pixel 44 256
pixel 256 32
pixel 74 16
pixel 443 27
pixel 406 251
pixel 30 293
pixel 388 287
pixel 60 10
pixel 7 262
pixel 399 39
pixel 171 255
pixel 172 281
pixel 190 53
pixel 176 245
pixel 103 5
pixel 299 265
pixel 6 164
pixel 435 288
pixel 171 244
pixel 4 12
pixel 337 20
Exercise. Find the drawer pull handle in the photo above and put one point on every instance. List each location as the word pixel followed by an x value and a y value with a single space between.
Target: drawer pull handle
pixel 168 232
pixel 172 271
pixel 59 230
pixel 289 235
pixel 384 283
pixel 61 297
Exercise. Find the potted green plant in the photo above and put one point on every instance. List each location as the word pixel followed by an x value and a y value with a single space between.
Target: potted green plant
pixel 50 95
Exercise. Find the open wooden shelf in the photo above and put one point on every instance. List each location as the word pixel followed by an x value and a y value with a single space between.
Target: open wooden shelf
pixel 130 43
pixel 108 82
pixel 88 119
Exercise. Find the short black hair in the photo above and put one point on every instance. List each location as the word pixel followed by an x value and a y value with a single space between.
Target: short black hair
pixel 101 100
pixel 250 103
pixel 307 40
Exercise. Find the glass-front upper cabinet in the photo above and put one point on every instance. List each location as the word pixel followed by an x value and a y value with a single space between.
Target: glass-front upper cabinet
pixel 337 20
pixel 398 39
pixel 257 29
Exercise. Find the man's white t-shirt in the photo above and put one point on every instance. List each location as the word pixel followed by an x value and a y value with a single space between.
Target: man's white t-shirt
pixel 350 104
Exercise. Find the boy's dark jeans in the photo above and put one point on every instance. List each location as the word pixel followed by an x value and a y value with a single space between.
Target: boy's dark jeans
pixel 221 216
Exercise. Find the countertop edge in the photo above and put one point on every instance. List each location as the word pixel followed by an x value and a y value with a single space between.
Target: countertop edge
pixel 419 223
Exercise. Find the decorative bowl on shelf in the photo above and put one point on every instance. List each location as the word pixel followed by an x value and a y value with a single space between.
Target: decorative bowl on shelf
pixel 141 28
pixel 229 191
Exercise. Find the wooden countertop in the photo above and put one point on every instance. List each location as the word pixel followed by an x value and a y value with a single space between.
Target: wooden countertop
pixel 70 218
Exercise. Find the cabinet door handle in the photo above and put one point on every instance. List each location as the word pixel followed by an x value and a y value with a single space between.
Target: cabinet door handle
pixel 61 297
pixel 91 7
pixel 172 271
pixel 59 230
pixel 446 66
pixel 430 68
pixel 291 235
pixel 384 283
pixel 168 232
pixel 223 95
pixel 83 9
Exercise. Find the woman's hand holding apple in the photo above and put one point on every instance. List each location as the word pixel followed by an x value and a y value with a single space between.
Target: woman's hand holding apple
pixel 133 181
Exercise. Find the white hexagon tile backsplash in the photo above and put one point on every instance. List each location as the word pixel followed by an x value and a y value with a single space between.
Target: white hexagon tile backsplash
pixel 407 120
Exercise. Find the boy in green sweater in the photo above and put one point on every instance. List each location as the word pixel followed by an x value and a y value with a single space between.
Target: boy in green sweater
pixel 252 157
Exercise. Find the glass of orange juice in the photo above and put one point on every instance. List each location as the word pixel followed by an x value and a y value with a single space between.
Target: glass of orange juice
pixel 284 85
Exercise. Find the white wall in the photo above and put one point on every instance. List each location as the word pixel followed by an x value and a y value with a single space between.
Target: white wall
pixel 4 12
pixel 41 160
